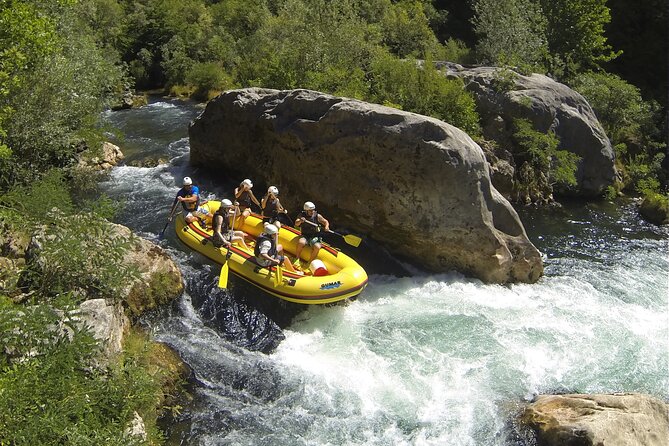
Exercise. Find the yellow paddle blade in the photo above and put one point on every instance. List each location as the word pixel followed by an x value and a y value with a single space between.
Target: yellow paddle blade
pixel 278 276
pixel 223 278
pixel 352 240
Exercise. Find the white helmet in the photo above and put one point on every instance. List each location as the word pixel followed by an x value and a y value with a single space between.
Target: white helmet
pixel 247 182
pixel 309 206
pixel 226 203
pixel 187 181
pixel 273 190
pixel 271 229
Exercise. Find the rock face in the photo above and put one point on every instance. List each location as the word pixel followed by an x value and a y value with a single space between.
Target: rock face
pixel 111 155
pixel 418 185
pixel 108 323
pixel 550 106
pixel 160 279
pixel 611 420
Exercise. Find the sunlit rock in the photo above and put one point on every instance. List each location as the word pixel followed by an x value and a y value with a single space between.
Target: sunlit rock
pixel 416 184
pixel 611 420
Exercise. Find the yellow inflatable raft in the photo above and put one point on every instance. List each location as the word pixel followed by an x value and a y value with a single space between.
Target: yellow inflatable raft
pixel 344 278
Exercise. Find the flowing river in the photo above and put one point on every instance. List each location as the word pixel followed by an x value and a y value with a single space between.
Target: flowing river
pixel 417 359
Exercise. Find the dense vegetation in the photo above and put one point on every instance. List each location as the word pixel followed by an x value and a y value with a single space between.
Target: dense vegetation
pixel 64 61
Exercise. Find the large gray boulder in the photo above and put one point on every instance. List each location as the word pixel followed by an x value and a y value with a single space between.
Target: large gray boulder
pixel 418 185
pixel 610 420
pixel 502 96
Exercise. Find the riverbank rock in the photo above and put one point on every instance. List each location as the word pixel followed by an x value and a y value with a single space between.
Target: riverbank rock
pixel 607 420
pixel 107 322
pixel 160 279
pixel 108 158
pixel 655 209
pixel 503 95
pixel 416 184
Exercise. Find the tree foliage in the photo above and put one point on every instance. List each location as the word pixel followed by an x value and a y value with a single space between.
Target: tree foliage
pixel 53 84
pixel 510 32
pixel 576 37
pixel 631 124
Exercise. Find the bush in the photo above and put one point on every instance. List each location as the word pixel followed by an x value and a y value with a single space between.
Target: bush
pixel 632 126
pixel 423 90
pixel 206 77
pixel 51 393
pixel 542 165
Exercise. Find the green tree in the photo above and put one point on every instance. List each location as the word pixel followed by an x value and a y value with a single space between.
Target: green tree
pixel 406 30
pixel 632 126
pixel 56 84
pixel 576 38
pixel 510 32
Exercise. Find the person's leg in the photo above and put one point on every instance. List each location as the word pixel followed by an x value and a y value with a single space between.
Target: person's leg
pixel 237 238
pixel 189 217
pixel 314 251
pixel 245 213
pixel 300 245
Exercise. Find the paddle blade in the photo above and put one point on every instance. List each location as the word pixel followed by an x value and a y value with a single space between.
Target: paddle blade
pixel 278 276
pixel 223 278
pixel 352 240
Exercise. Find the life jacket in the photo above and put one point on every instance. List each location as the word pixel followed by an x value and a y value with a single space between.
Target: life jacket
pixel 245 199
pixel 225 225
pixel 308 229
pixel 192 206
pixel 262 238
pixel 271 208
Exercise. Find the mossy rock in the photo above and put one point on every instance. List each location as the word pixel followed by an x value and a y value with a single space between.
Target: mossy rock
pixel 161 289
pixel 655 208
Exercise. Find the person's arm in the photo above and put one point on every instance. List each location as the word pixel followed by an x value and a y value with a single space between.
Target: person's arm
pixel 264 203
pixel 254 199
pixel 191 199
pixel 279 207
pixel 264 253
pixel 326 224
pixel 238 192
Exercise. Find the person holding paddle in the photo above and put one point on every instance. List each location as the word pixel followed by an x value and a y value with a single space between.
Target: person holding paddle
pixel 223 234
pixel 189 197
pixel 269 252
pixel 311 225
pixel 244 197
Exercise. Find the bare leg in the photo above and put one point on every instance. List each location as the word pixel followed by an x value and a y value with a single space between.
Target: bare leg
pixel 300 245
pixel 314 252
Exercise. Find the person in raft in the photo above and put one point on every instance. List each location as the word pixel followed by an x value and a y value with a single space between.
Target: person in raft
pixel 311 225
pixel 268 251
pixel 189 197
pixel 221 222
pixel 271 207
pixel 244 197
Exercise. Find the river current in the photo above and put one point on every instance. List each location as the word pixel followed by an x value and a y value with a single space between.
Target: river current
pixel 418 358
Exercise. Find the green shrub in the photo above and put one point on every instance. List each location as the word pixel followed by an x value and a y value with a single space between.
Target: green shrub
pixel 539 150
pixel 51 393
pixel 206 77
pixel 423 90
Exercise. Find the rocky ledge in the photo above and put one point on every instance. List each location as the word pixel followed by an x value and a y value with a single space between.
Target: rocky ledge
pixel 611 420
pixel 417 185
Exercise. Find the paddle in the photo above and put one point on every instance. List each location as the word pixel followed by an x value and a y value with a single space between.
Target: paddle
pixel 223 277
pixel 284 218
pixel 169 219
pixel 351 239
pixel 278 277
